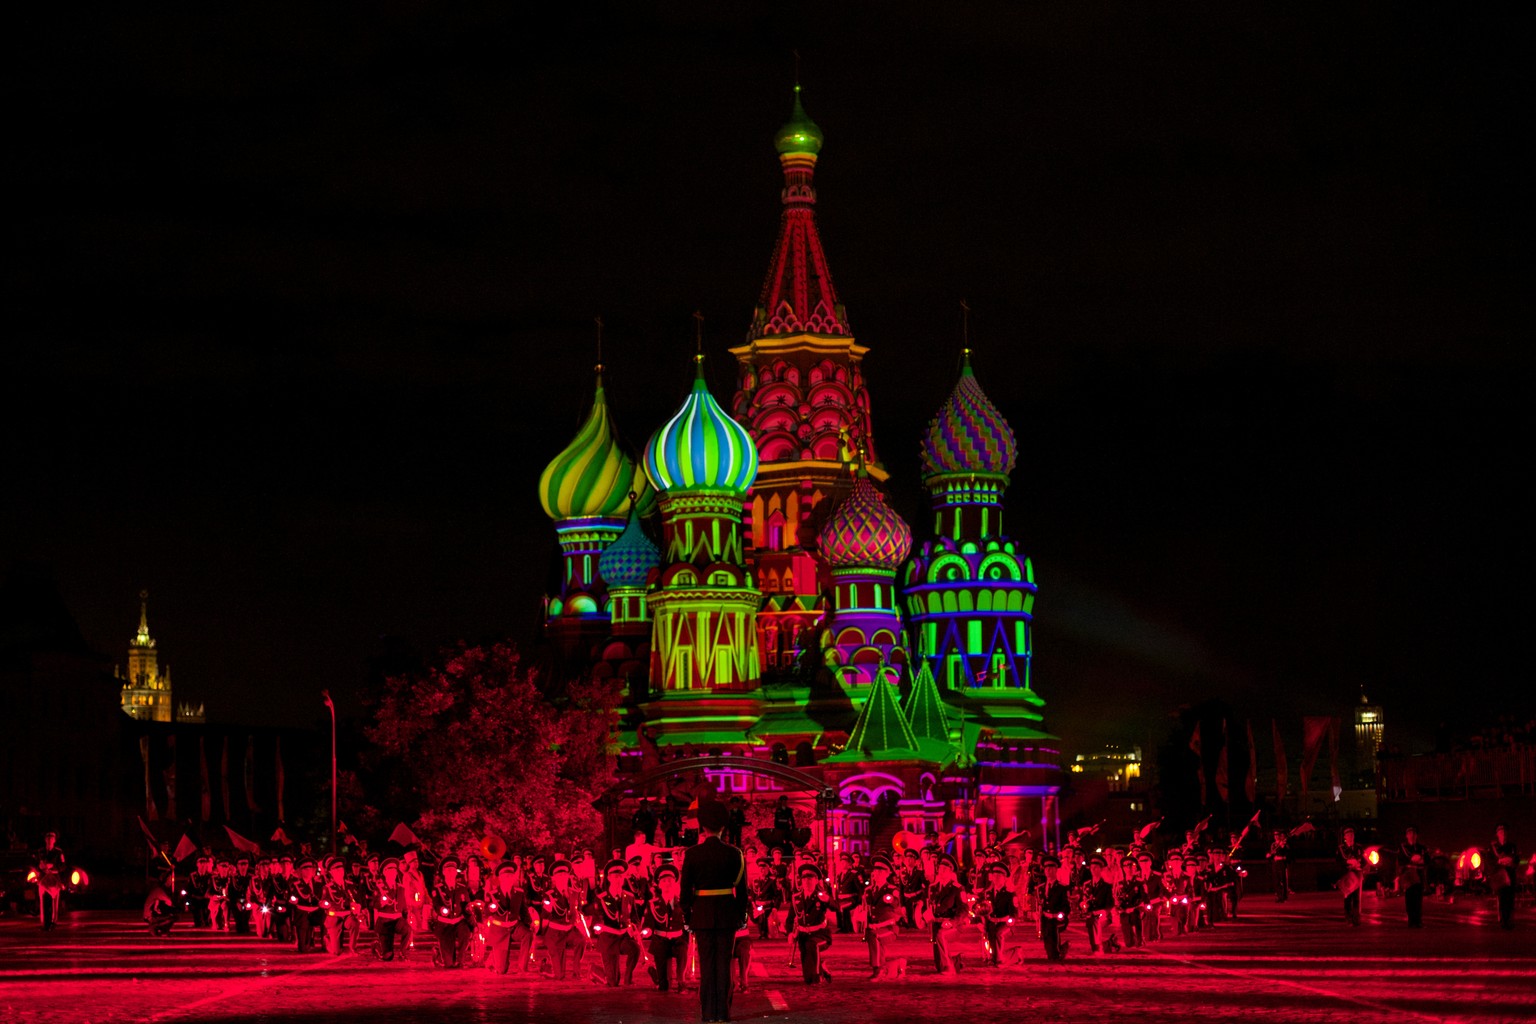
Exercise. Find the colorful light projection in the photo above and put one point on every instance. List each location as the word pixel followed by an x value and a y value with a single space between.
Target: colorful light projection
pixel 865 542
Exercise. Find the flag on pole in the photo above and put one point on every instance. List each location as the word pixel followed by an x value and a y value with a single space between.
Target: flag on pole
pixel 154 844
pixel 403 836
pixel 1221 764
pixel 281 837
pixel 1194 745
pixel 1146 831
pixel 239 842
pixel 149 789
pixel 1282 772
pixel 202 769
pixel 1251 779
pixel 224 778
pixel 185 848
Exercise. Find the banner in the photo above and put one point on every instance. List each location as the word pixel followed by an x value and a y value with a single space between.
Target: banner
pixel 1282 770
pixel 404 836
pixel 185 848
pixel 1194 744
pixel 224 778
pixel 1314 729
pixel 149 789
pixel 280 816
pixel 250 774
pixel 170 781
pixel 1251 779
pixel 1221 764
pixel 202 771
pixel 1333 758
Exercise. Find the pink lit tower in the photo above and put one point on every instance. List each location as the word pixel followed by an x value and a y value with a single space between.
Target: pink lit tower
pixel 802 397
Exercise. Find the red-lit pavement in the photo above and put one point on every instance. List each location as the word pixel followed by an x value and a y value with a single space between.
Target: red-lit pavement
pixel 1294 963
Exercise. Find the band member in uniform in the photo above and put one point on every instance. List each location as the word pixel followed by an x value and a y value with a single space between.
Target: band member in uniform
pixel 1155 897
pixel 850 890
pixel 1505 856
pixel 304 901
pixel 1221 887
pixel 765 897
pixel 714 900
pixel 945 905
pixel 389 906
pixel 996 909
pixel 810 928
pixel 914 888
pixel 882 910
pixel 563 922
pixel 280 883
pixel 612 911
pixel 240 895
pixel 1352 859
pixel 49 868
pixel 1413 859
pixel 450 910
pixel 508 921
pixel 418 910
pixel 258 899
pixel 662 926
pixel 1180 888
pixel 1280 857
pixel 198 883
pixel 159 909
pixel 336 901
pixel 1130 897
pixel 1055 905
pixel 1099 902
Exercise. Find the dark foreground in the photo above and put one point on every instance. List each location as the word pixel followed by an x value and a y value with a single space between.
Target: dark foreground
pixel 1292 963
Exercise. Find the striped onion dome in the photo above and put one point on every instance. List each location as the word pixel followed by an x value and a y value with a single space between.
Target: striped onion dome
pixel 593 476
pixel 969 435
pixel 628 561
pixel 701 448
pixel 865 531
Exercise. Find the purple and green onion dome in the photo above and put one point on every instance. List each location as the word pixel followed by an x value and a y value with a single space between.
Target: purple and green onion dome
pixel 799 134
pixel 628 561
pixel 592 476
pixel 969 435
pixel 701 448
pixel 865 531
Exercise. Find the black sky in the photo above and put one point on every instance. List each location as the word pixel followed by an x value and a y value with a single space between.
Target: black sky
pixel 301 303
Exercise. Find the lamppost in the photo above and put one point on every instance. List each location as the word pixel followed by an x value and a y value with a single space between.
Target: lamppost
pixel 326 696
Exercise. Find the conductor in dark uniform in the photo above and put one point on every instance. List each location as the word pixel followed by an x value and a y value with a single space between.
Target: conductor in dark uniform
pixel 714 903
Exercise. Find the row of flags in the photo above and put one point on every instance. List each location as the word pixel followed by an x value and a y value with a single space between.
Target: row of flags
pixel 168 777
pixel 185 848
pixel 1316 730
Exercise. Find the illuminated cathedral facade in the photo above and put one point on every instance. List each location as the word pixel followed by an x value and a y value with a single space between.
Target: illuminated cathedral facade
pixel 747 580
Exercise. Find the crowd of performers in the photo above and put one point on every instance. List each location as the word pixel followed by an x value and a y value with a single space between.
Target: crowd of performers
pixel 546 915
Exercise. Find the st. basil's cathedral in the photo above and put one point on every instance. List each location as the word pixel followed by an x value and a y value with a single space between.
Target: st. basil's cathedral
pixel 787 615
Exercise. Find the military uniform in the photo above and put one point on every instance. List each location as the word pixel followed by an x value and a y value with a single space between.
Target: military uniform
pixel 1352 859
pixel 1413 861
pixel 850 890
pixel 450 913
pixel 613 921
pixel 304 904
pixel 198 883
pixel 1055 907
pixel 561 911
pixel 1505 858
pixel 812 931
pixel 945 905
pixel 714 899
pixel 389 906
pixel 1099 902
pixel 1280 859
pixel 336 901
pixel 997 911
pixel 662 927
pixel 882 911
pixel 50 885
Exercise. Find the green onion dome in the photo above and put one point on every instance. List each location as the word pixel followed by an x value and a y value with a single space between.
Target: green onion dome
pixel 799 134
pixel 629 560
pixel 865 531
pixel 701 448
pixel 593 476
pixel 969 435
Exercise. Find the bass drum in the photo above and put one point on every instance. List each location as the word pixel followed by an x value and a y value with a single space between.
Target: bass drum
pixel 1350 883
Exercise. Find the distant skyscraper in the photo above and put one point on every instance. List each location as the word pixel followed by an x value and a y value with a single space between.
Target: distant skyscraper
pixel 146 693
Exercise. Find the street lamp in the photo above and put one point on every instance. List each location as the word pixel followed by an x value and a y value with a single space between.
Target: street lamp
pixel 326 696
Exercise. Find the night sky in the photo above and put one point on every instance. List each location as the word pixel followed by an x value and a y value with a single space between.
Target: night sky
pixel 301 303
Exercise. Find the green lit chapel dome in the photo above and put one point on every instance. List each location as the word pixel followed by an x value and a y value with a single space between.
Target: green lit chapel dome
pixel 592 476
pixel 701 448
pixel 799 134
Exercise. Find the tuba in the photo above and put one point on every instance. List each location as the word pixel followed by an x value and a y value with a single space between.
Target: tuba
pixel 493 847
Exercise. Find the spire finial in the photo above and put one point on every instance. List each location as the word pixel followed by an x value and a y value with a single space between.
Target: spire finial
pixel 599 321
pixel 698 343
pixel 797 69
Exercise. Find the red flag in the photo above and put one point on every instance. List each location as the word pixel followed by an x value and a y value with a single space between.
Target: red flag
pixel 403 836
pixel 224 778
pixel 1194 744
pixel 154 844
pixel 1282 771
pixel 149 789
pixel 185 848
pixel 202 769
pixel 1221 764
pixel 1314 730
pixel 1146 831
pixel 281 837
pixel 239 842
pixel 280 815
pixel 1251 779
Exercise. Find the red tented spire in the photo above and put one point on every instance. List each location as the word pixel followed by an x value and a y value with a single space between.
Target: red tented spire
pixel 798 297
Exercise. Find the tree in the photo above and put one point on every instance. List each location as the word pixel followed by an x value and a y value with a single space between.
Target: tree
pixel 474 747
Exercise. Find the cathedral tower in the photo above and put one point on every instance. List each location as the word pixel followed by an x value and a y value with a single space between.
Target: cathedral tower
pixel 147 684
pixel 864 543
pixel 802 397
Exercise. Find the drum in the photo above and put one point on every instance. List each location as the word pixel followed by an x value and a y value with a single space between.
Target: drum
pixel 1350 883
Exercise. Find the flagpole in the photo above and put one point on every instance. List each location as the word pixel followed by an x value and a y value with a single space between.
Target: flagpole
pixel 326 694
